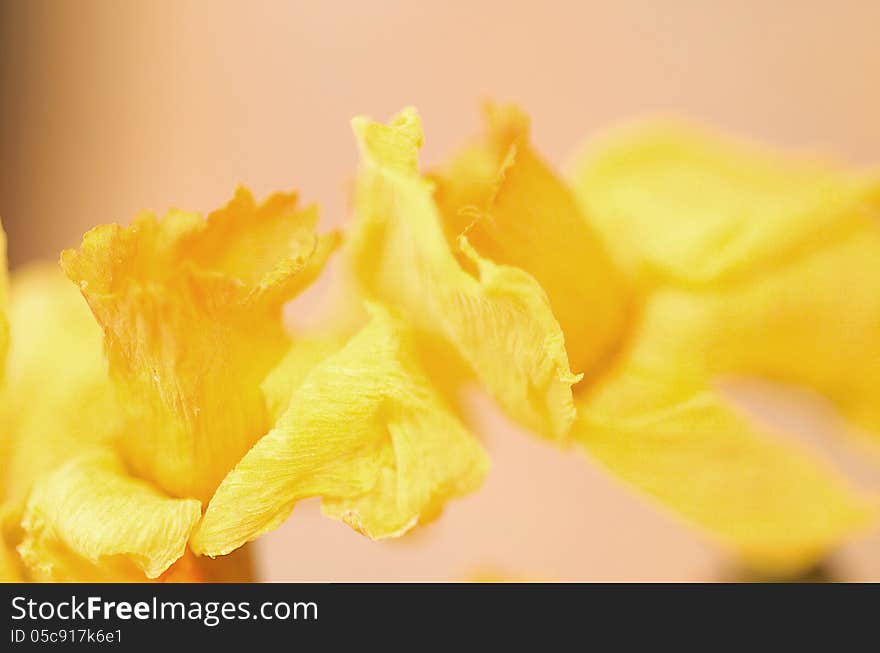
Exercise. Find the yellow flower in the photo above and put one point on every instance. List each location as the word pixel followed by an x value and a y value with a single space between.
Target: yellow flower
pixel 747 263
pixel 224 410
pixel 109 463
pixel 513 210
pixel 676 258
pixel 497 317
pixel 191 311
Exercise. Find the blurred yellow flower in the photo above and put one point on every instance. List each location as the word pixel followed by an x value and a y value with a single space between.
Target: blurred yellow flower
pixel 748 263
pixel 673 257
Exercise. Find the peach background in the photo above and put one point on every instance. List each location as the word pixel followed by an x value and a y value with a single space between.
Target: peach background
pixel 112 107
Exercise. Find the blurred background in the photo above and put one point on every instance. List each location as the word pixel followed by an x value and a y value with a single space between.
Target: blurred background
pixel 112 107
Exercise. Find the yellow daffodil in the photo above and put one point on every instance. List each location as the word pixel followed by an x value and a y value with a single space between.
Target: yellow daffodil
pixel 400 255
pixel 672 259
pixel 204 401
pixel 181 390
pixel 747 263
pixel 89 494
pixel 191 312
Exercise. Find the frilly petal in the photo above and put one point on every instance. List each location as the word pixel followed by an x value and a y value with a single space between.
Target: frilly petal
pixel 90 520
pixel 499 319
pixel 365 430
pixel 191 311
pixel 517 212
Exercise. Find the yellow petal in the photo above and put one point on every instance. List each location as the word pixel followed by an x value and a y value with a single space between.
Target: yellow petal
pixel 750 264
pixel 304 354
pixel 516 211
pixel 90 520
pixel 814 322
pixel 775 257
pixel 496 316
pixel 430 459
pixel 677 203
pixel 366 431
pixel 191 309
pixel 779 508
pixel 655 422
pixel 58 399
